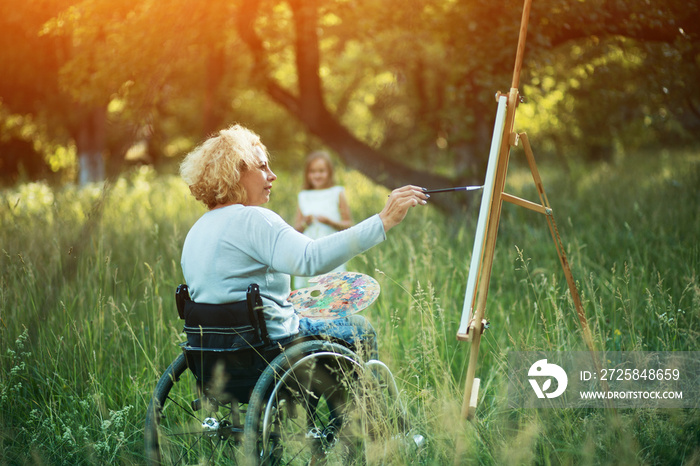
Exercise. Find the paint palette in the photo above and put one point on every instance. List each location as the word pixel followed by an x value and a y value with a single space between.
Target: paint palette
pixel 335 294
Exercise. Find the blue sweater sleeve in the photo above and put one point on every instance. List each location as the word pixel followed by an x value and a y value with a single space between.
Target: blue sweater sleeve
pixel 296 254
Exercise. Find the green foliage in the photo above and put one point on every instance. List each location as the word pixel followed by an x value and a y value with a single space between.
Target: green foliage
pixel 602 77
pixel 88 320
pixel 615 80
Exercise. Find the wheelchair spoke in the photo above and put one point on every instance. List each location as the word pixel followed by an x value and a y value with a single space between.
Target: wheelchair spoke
pixel 212 456
pixel 183 409
pixel 186 452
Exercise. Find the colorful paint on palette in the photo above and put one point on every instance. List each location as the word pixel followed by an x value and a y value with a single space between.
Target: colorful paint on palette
pixel 335 294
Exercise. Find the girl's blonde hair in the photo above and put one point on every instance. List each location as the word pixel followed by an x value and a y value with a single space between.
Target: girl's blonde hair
pixel 213 170
pixel 312 157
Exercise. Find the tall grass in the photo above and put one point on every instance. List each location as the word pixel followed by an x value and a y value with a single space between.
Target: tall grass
pixel 88 320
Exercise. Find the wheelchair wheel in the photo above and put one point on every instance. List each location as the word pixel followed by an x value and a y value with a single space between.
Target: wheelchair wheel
pixel 302 408
pixel 183 427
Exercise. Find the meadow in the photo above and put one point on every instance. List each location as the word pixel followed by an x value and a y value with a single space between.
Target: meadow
pixel 88 320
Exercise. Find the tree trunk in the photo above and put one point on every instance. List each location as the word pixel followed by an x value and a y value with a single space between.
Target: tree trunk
pixel 211 113
pixel 309 108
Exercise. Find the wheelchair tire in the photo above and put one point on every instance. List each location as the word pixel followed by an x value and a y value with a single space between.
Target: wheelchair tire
pixel 183 428
pixel 302 408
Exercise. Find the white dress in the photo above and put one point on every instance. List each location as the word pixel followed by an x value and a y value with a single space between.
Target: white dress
pixel 319 202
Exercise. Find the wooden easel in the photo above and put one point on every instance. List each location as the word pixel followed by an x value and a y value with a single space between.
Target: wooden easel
pixel 473 323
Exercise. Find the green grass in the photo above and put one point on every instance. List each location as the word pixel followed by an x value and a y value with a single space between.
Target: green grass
pixel 88 320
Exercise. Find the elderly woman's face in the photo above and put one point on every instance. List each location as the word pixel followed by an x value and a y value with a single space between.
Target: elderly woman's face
pixel 257 180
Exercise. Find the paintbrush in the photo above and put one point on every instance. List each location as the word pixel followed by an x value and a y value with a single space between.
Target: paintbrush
pixel 460 188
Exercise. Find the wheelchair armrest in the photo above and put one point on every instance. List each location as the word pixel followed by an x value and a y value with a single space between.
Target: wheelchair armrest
pixel 182 294
pixel 255 308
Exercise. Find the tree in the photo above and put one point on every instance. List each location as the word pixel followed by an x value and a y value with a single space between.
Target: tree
pixel 402 94
pixel 625 70
pixel 29 96
pixel 450 54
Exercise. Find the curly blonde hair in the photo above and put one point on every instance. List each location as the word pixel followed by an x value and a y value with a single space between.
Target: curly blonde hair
pixel 213 170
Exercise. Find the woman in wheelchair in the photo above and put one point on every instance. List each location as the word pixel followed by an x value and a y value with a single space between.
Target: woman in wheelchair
pixel 237 260
pixel 238 242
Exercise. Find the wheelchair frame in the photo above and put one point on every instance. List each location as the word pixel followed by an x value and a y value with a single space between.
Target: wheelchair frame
pixel 262 402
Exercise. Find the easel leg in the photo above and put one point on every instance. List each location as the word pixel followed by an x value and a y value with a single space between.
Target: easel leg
pixel 471 384
pixel 585 330
pixel 575 297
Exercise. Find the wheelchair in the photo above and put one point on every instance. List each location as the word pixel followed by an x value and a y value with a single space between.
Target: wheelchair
pixel 233 396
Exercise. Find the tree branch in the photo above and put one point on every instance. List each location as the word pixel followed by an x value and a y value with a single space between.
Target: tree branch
pixel 310 109
pixel 665 22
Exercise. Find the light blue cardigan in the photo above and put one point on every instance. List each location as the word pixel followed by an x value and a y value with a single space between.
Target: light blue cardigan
pixel 229 248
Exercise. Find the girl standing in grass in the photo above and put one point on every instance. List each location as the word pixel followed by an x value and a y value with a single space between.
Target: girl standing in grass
pixel 323 208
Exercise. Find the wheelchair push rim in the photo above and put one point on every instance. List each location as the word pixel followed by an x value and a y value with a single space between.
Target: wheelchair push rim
pixel 302 408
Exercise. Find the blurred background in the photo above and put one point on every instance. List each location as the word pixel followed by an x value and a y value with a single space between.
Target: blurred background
pixel 401 91
pixel 101 99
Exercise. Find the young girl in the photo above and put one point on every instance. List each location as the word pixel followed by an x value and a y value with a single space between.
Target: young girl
pixel 323 208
